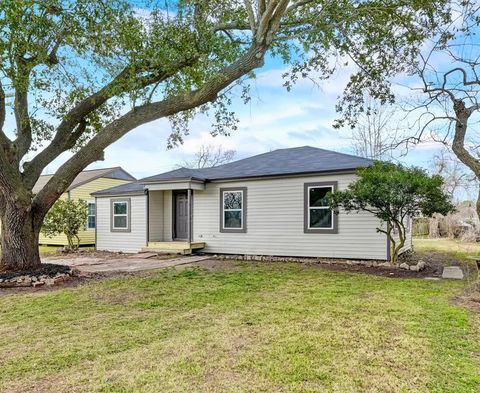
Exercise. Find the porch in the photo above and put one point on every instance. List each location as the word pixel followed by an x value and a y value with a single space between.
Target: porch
pixel 174 247
pixel 170 218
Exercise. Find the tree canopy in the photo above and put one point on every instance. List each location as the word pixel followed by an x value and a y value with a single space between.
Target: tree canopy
pixel 394 193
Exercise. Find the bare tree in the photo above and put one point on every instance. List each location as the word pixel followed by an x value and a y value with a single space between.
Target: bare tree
pixel 209 156
pixel 375 134
pixel 448 105
pixel 457 178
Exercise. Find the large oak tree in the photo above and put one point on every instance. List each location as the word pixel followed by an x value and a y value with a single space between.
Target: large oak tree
pixel 77 75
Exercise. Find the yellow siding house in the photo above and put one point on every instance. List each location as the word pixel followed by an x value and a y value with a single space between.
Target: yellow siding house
pixel 82 187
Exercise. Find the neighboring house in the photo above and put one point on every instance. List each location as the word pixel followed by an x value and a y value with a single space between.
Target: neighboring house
pixel 269 204
pixel 82 187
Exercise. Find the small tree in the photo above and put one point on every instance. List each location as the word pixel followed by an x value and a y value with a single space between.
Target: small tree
pixel 393 192
pixel 68 217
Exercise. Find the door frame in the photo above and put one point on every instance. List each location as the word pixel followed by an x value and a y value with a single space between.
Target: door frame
pixel 189 196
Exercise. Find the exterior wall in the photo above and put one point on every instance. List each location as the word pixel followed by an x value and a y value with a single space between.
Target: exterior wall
pixel 167 216
pixel 87 236
pixel 155 222
pixel 275 222
pixel 132 241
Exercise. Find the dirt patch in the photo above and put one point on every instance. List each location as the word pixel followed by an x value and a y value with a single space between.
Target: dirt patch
pixel 470 300
pixel 77 280
pixel 88 254
pixel 429 271
pixel 434 265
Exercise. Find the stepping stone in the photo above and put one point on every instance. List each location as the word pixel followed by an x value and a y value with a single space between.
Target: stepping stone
pixel 453 272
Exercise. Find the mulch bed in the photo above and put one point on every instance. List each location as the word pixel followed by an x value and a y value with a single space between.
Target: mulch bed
pixel 46 269
pixel 429 271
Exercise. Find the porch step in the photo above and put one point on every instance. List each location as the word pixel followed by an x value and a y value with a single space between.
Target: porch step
pixel 183 248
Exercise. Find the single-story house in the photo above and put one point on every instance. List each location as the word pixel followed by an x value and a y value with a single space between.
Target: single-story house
pixel 82 187
pixel 270 204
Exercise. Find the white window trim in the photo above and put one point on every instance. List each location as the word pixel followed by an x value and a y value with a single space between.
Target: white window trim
pixel 332 188
pixel 232 210
pixel 126 215
pixel 90 215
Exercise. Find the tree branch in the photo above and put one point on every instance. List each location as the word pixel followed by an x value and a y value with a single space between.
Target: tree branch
pixel 5 142
pixel 65 138
pixel 93 150
pixel 458 144
pixel 22 118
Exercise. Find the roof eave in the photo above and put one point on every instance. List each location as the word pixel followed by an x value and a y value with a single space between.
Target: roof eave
pixel 282 175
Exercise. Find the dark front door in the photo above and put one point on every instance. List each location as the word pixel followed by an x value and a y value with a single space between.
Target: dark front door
pixel 181 216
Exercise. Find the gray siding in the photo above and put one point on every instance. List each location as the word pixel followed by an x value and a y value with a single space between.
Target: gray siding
pixel 155 207
pixel 275 223
pixel 131 241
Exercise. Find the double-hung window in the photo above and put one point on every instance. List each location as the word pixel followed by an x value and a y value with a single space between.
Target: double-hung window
pixel 233 209
pixel 318 215
pixel 120 215
pixel 91 218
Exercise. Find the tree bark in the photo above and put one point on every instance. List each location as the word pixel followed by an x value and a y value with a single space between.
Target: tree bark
pixel 463 114
pixel 19 239
pixel 433 229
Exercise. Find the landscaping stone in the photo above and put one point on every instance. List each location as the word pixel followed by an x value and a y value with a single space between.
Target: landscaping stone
pixel 404 266
pixel 452 272
pixel 414 268
pixel 47 274
pixel 385 264
pixel 421 265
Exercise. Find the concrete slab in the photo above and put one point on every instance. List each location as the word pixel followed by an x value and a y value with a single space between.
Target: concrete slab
pixel 143 255
pixel 452 272
pixel 98 265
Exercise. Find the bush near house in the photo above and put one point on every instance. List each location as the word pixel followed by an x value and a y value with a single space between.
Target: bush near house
pixel 67 217
pixel 394 193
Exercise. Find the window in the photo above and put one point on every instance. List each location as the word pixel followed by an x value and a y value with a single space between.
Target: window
pixel 233 209
pixel 91 218
pixel 120 220
pixel 318 216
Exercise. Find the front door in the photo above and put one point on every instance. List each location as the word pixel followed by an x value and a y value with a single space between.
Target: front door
pixel 181 216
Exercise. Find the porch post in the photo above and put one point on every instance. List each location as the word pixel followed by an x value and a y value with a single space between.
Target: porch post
pixel 189 206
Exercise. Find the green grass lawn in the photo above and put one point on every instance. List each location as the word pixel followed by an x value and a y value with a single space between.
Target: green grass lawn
pixel 452 246
pixel 265 328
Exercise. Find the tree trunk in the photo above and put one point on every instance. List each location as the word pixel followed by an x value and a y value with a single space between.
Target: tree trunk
pixel 433 229
pixel 19 239
pixel 478 204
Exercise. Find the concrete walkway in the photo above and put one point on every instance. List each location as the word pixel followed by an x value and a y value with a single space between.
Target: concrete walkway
pixel 97 265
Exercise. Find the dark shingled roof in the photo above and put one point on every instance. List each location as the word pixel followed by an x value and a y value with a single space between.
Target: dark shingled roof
pixel 297 160
pixel 134 188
